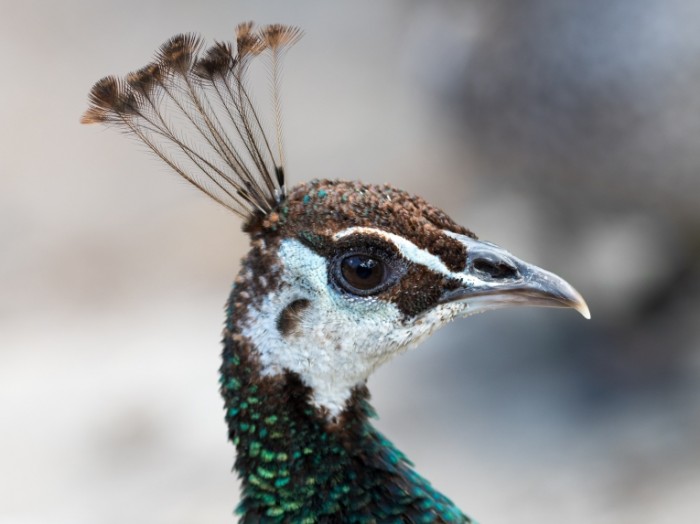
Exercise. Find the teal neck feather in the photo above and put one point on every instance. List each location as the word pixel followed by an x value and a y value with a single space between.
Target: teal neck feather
pixel 295 466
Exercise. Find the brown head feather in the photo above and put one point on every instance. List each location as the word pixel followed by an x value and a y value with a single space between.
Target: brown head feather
pixel 248 41
pixel 94 115
pixel 110 97
pixel 145 79
pixel 277 36
pixel 217 61
pixel 179 53
pixel 106 92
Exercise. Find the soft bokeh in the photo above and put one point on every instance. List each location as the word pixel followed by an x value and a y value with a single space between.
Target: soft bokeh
pixel 566 131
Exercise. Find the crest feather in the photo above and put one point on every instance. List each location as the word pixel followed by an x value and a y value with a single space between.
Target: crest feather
pixel 192 109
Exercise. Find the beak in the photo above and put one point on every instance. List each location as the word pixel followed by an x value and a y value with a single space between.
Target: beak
pixel 493 278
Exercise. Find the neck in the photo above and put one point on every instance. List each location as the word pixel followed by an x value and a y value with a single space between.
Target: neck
pixel 297 466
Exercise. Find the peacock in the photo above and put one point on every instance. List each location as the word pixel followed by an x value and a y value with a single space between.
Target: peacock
pixel 341 276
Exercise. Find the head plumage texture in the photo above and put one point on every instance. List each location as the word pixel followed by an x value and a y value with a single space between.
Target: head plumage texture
pixel 316 211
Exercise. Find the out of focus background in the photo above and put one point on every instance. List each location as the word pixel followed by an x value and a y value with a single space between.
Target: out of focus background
pixel 567 131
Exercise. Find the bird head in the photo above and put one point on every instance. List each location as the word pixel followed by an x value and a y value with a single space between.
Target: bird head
pixel 341 276
pixel 353 274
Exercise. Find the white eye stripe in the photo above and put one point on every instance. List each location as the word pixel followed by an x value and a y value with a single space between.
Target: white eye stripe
pixel 409 251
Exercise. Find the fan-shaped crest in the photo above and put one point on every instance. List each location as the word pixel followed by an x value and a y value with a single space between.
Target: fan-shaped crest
pixel 192 108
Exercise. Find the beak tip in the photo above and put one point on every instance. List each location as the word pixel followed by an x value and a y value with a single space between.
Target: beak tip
pixel 582 308
pixel 576 301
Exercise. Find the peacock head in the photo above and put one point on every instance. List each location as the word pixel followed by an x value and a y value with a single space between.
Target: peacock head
pixel 354 274
pixel 341 275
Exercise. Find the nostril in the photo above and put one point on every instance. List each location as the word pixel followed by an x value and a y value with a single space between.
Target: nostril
pixel 497 270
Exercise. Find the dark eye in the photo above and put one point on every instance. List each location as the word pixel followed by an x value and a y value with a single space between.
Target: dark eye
pixel 362 273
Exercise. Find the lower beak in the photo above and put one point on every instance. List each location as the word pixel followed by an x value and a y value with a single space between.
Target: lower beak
pixel 494 278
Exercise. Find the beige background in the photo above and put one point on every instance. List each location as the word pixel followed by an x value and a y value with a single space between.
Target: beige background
pixel 565 131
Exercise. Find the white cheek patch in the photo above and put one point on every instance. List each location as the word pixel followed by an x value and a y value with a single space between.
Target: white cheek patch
pixel 338 341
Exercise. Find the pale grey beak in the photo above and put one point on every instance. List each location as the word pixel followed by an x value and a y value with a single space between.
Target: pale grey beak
pixel 493 278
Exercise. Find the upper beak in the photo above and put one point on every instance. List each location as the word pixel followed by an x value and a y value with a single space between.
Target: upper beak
pixel 493 278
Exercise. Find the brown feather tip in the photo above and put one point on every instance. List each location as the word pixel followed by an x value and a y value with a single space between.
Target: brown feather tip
pixel 143 80
pixel 277 36
pixel 248 41
pixel 178 53
pixel 218 60
pixel 108 97
pixel 94 115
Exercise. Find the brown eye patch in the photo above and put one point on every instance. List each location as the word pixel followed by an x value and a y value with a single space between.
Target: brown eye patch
pixel 364 264
pixel 419 290
pixel 451 251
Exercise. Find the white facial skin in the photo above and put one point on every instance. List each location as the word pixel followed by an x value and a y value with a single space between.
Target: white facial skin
pixel 340 339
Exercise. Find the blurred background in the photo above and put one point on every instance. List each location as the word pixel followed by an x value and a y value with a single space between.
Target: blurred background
pixel 566 131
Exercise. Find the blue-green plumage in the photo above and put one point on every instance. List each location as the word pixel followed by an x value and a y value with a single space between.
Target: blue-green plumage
pixel 296 466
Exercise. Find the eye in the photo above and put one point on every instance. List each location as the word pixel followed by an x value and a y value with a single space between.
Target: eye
pixel 363 266
pixel 363 273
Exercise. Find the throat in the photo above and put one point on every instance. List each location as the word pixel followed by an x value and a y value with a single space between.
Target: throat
pixel 297 465
pixel 289 453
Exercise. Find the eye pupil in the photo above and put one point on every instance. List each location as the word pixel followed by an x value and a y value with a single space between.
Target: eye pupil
pixel 365 269
pixel 362 272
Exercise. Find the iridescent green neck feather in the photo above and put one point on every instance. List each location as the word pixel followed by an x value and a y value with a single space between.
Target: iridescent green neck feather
pixel 297 466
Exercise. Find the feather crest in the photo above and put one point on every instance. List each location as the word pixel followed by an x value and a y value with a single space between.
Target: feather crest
pixel 192 109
